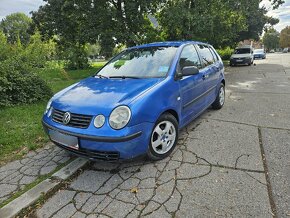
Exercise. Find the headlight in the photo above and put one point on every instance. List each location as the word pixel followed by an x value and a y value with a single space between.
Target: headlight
pixel 120 117
pixel 48 106
pixel 99 121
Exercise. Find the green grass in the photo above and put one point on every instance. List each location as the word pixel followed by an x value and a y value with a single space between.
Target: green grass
pixel 21 128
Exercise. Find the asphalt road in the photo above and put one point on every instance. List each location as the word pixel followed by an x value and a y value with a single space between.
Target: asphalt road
pixel 229 163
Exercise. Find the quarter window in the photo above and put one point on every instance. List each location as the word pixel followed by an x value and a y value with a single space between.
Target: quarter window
pixel 206 55
pixel 189 57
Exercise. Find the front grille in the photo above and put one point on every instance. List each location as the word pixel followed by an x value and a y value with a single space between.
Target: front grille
pixel 77 120
pixel 96 155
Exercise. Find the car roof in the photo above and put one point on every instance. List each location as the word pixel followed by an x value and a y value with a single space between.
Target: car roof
pixel 167 44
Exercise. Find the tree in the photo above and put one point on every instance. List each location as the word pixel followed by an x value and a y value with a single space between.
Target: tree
pixel 285 37
pixel 271 39
pixel 79 22
pixel 16 26
pixel 220 22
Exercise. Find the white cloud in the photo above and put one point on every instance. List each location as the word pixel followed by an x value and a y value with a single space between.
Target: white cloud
pixel 283 13
pixel 12 6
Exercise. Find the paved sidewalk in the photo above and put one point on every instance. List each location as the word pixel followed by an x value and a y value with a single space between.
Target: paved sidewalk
pixel 15 175
pixel 228 163
pixel 220 182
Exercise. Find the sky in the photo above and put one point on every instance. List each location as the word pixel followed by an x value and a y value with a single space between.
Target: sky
pixel 25 6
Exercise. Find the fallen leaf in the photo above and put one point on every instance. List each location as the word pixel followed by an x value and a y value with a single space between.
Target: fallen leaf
pixel 134 190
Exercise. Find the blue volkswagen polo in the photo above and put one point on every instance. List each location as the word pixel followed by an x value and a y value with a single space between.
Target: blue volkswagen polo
pixel 137 103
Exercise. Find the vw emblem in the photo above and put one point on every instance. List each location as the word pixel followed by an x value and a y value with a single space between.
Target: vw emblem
pixel 66 118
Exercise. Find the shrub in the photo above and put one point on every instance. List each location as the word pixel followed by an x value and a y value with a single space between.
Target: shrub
pixel 225 53
pixel 18 84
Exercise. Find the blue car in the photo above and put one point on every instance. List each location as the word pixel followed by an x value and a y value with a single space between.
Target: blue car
pixel 259 54
pixel 137 103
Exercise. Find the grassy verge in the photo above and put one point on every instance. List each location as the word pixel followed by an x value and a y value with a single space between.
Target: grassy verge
pixel 21 128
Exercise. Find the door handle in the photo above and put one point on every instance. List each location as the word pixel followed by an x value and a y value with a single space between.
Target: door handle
pixel 205 76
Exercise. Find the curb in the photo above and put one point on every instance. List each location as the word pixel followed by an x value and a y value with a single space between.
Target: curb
pixel 31 196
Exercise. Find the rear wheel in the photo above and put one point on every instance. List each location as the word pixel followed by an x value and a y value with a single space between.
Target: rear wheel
pixel 220 99
pixel 163 137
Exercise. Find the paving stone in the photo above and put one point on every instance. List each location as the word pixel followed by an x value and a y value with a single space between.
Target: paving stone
pixel 81 198
pixel 7 189
pixel 67 211
pixel 146 171
pixel 166 176
pixel 172 165
pixel 239 144
pixel 90 181
pixel 118 209
pixel 224 193
pixel 150 207
pixel 47 169
pixel 127 197
pixel 130 183
pixel 92 203
pixel 55 203
pixel 27 180
pixel 164 191
pixel 174 201
pixel 103 204
pixel 133 214
pixel 189 171
pixel 147 183
pixel 79 215
pixel 161 212
pixel 145 195
pixel 110 185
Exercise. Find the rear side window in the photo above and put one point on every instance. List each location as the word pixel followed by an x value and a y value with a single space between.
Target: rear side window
pixel 189 57
pixel 206 55
pixel 215 56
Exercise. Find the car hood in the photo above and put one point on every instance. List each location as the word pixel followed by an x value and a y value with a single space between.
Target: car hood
pixel 95 95
pixel 241 56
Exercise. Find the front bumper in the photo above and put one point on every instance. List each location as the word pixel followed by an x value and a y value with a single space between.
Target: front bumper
pixel 240 61
pixel 109 148
pixel 259 56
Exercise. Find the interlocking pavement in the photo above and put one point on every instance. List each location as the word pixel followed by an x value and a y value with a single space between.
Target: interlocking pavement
pixel 228 163
pixel 15 175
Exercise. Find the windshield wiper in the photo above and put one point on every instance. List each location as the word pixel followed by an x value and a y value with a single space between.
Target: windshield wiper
pixel 102 76
pixel 126 77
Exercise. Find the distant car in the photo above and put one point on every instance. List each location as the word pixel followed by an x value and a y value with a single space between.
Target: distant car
pixel 285 50
pixel 242 55
pixel 272 51
pixel 137 103
pixel 259 54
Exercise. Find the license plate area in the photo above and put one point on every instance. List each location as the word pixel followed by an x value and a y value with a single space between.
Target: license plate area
pixel 63 139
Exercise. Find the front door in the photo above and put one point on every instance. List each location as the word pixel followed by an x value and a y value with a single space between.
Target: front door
pixel 191 87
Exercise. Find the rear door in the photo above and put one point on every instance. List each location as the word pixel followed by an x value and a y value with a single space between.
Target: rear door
pixel 210 72
pixel 191 87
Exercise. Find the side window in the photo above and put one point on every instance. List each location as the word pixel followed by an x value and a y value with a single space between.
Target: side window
pixel 189 57
pixel 206 55
pixel 214 54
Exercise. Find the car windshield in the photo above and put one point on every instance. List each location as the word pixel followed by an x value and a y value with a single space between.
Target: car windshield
pixel 242 51
pixel 258 51
pixel 140 63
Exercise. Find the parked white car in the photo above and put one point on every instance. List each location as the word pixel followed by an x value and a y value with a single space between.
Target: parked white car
pixel 242 55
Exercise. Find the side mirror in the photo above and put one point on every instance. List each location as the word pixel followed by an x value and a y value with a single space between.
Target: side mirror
pixel 190 70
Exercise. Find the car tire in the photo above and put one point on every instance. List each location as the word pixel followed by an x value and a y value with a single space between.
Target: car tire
pixel 220 99
pixel 163 138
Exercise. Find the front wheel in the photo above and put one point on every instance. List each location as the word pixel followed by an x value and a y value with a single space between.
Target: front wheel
pixel 163 137
pixel 220 99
